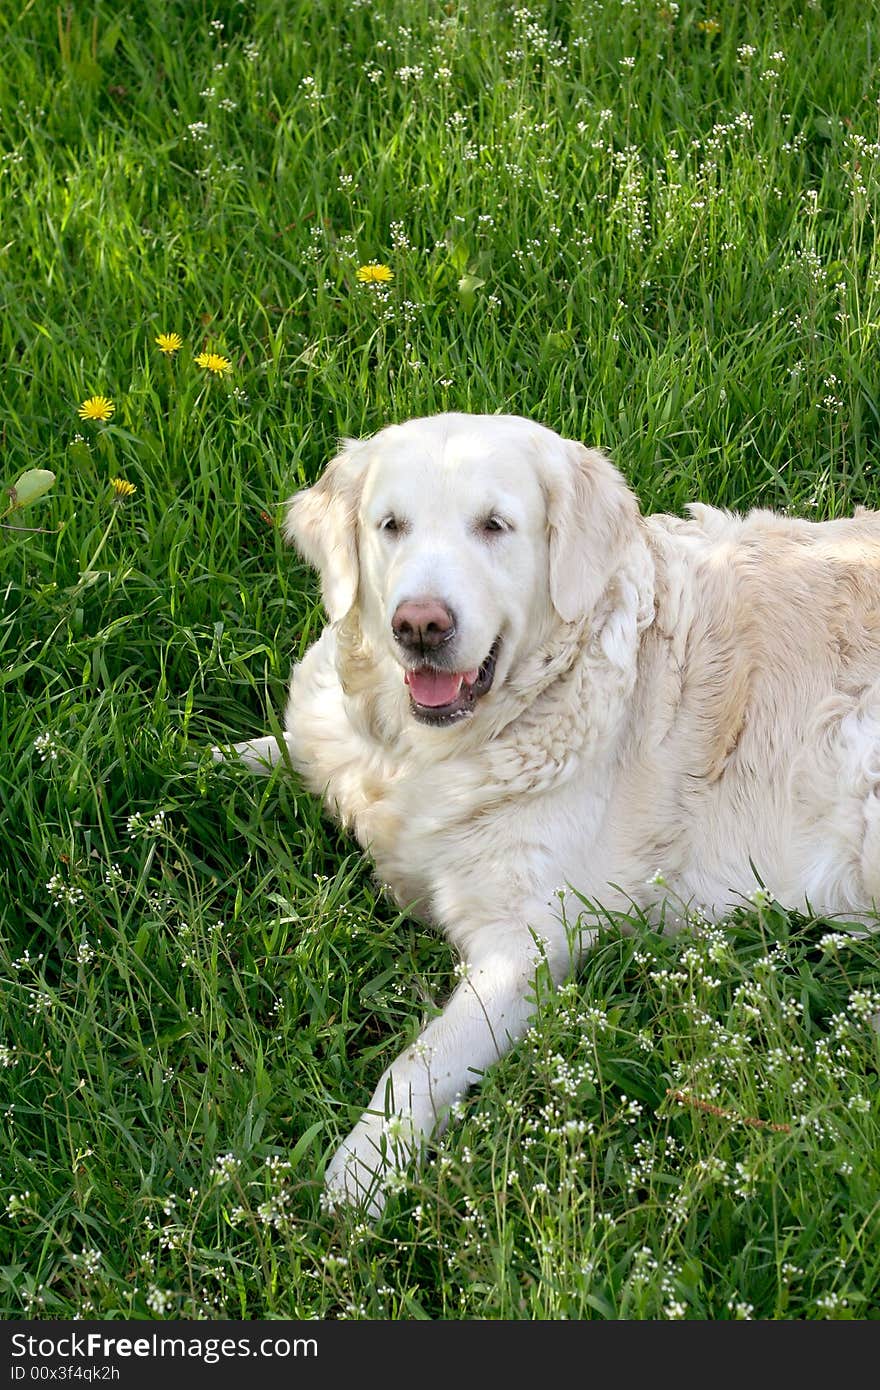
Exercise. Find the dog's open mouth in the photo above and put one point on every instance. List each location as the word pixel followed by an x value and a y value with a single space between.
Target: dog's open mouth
pixel 442 697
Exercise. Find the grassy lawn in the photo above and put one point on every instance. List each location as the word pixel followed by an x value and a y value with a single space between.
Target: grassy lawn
pixel 649 225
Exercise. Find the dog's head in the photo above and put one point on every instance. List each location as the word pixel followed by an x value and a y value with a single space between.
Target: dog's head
pixel 462 539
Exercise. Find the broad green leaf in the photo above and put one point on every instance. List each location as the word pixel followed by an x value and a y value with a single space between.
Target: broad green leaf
pixel 31 486
pixel 467 290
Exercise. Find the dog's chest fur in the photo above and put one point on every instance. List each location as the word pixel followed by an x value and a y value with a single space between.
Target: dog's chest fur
pixel 456 833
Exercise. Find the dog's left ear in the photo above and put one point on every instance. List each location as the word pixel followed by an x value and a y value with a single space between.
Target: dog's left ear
pixel 593 517
pixel 321 522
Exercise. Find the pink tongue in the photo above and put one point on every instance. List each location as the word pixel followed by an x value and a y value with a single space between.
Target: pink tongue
pixel 433 688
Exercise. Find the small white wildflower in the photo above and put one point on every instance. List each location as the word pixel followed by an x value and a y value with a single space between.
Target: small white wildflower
pixel 399 1129
pixel 333 1262
pixel 141 826
pixel 46 747
pixel 225 1168
pixel 313 94
pixel 741 1310
pixel 64 894
pixel 830 1302
pixel 745 1183
pixel 159 1300
pixel 89 1261
pixel 859 1104
pixel 713 1169
pixel 273 1212
pixel 41 1003
pixel 276 1164
pixel 864 1004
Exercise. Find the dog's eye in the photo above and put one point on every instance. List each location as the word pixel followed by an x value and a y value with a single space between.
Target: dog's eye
pixel 390 526
pixel 492 525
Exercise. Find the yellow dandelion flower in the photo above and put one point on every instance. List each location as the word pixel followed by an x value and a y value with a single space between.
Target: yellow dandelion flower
pixel 169 343
pixel 375 274
pixel 213 362
pixel 122 489
pixel 96 408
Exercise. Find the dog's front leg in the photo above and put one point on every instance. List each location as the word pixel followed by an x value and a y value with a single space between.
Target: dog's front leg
pixel 485 1015
pixel 258 754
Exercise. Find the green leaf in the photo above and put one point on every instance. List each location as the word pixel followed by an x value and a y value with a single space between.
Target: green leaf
pixel 31 486
pixel 110 38
pixel 467 290
pixel 141 942
pixel 304 1142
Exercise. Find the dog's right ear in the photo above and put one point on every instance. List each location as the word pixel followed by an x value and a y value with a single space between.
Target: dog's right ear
pixel 321 522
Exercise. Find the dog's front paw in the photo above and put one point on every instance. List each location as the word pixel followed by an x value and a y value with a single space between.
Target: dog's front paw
pixel 367 1163
pixel 260 755
pixel 350 1182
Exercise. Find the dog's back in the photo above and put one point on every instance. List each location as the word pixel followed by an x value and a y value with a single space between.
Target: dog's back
pixel 759 710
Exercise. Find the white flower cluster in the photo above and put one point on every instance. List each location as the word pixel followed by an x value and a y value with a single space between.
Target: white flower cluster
pixel 141 826
pixel 159 1300
pixel 225 1168
pixel 64 893
pixel 46 747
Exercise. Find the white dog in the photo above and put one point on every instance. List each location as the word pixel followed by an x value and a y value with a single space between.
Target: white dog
pixel 526 684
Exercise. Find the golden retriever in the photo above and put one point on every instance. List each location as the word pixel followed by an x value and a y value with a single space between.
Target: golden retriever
pixel 526 684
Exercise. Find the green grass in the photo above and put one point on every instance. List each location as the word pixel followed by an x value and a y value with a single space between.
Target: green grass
pixel 673 257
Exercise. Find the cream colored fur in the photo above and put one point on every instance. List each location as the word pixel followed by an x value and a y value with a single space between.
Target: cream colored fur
pixel 699 697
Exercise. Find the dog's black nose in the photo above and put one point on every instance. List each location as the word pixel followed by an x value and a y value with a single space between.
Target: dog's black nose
pixel 422 624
